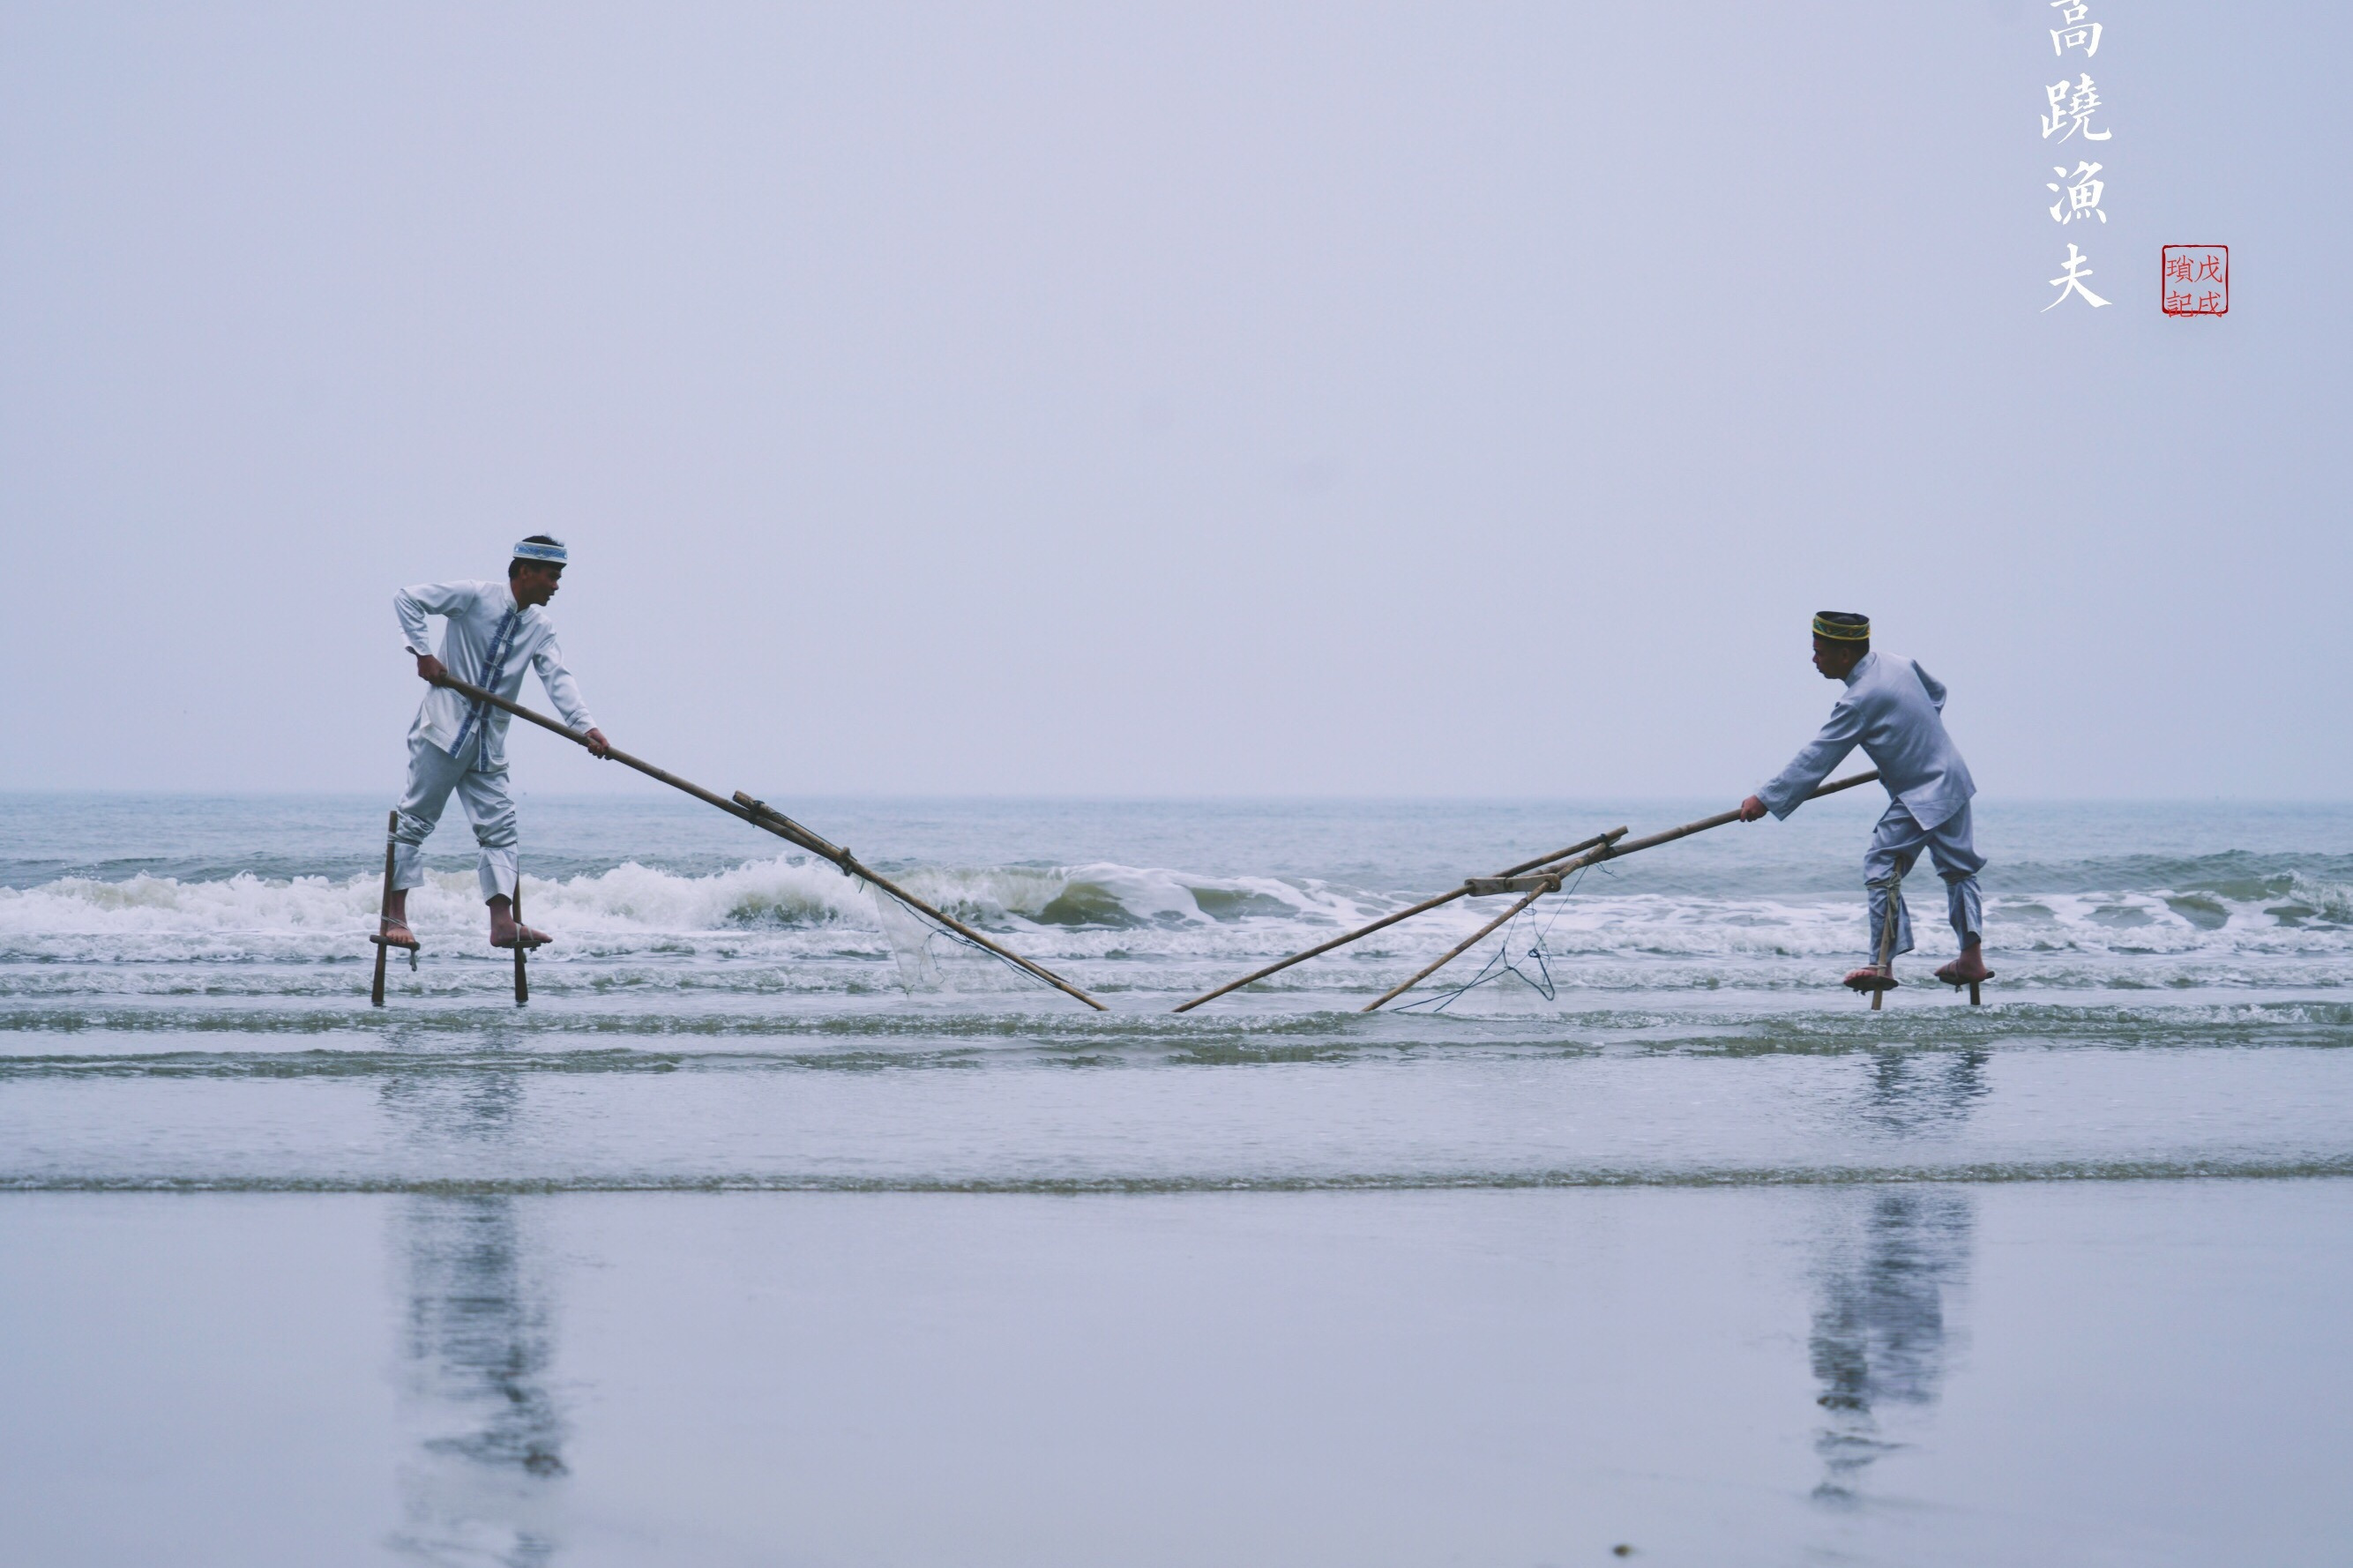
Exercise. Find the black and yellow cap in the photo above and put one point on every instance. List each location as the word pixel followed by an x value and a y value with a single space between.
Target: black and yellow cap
pixel 1840 626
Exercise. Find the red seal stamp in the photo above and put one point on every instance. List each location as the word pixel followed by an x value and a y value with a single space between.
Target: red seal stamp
pixel 2195 280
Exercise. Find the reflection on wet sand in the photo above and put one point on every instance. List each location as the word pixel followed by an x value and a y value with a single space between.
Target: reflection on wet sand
pixel 1882 1329
pixel 482 1483
pixel 1891 1258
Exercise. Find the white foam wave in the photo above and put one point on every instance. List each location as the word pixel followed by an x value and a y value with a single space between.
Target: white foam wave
pixel 164 919
pixel 1183 926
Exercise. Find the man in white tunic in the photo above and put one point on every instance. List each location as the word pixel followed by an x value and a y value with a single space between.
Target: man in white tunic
pixel 492 630
pixel 1896 711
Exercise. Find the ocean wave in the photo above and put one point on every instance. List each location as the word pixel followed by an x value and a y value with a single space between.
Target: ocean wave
pixel 778 924
pixel 2236 875
pixel 632 896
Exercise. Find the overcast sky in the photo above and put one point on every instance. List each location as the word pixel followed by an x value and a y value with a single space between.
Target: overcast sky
pixel 1180 399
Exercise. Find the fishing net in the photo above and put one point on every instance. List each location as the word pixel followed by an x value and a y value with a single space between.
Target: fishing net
pixel 910 936
pixel 931 957
pixel 1521 951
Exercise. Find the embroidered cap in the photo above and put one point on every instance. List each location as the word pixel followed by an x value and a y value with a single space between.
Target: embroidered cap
pixel 1840 626
pixel 539 549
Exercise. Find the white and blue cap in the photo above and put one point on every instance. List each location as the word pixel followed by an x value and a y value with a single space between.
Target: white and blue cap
pixel 534 550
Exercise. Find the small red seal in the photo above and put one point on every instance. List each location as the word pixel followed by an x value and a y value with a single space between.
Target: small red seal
pixel 2195 281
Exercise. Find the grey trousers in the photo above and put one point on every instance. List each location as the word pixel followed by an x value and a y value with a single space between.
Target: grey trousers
pixel 1896 844
pixel 432 775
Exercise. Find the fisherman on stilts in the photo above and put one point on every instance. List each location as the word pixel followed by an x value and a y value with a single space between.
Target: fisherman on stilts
pixel 492 630
pixel 1896 711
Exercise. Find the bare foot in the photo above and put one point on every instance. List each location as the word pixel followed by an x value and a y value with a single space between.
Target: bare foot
pixel 392 926
pixel 1970 966
pixel 1870 979
pixel 505 932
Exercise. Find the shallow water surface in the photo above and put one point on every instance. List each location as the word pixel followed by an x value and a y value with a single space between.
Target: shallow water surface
pixel 763 1234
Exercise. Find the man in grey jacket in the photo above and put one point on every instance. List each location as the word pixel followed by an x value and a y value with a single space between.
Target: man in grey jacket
pixel 1896 711
pixel 492 630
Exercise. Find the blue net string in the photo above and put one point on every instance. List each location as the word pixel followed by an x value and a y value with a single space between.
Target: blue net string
pixel 1532 967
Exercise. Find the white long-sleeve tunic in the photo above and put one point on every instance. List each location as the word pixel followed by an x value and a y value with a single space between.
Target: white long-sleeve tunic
pixel 1896 711
pixel 487 641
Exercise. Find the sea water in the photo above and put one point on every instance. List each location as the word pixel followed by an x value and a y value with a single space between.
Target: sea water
pixel 758 1236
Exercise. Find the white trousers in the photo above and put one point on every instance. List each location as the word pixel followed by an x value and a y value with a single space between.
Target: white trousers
pixel 1896 844
pixel 432 775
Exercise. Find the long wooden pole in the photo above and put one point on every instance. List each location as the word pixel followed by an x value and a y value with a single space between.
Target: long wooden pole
pixel 1610 851
pixel 762 816
pixel 383 912
pixel 1389 920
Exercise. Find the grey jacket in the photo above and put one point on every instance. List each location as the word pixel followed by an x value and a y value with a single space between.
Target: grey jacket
pixel 1896 711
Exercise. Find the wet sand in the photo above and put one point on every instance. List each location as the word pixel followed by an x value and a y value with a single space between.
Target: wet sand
pixel 2082 1372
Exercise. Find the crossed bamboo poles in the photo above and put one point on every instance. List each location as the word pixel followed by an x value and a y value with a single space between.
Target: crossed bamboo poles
pixel 1533 878
pixel 760 814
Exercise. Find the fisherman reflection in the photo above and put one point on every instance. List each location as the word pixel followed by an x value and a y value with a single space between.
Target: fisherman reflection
pixel 1912 1093
pixel 482 1483
pixel 1882 1327
pixel 1893 1258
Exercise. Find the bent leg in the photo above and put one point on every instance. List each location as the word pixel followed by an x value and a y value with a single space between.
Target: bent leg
pixel 432 774
pixel 1895 843
pixel 1952 848
pixel 490 809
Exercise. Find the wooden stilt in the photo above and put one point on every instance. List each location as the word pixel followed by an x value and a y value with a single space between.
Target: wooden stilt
pixel 1887 938
pixel 514 907
pixel 1974 999
pixel 383 912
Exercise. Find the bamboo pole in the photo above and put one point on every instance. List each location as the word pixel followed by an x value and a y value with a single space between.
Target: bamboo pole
pixel 384 913
pixel 1610 851
pixel 762 816
pixel 514 907
pixel 1389 920
pixel 852 866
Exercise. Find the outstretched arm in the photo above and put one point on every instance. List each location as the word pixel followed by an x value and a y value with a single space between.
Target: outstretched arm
pixel 1806 770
